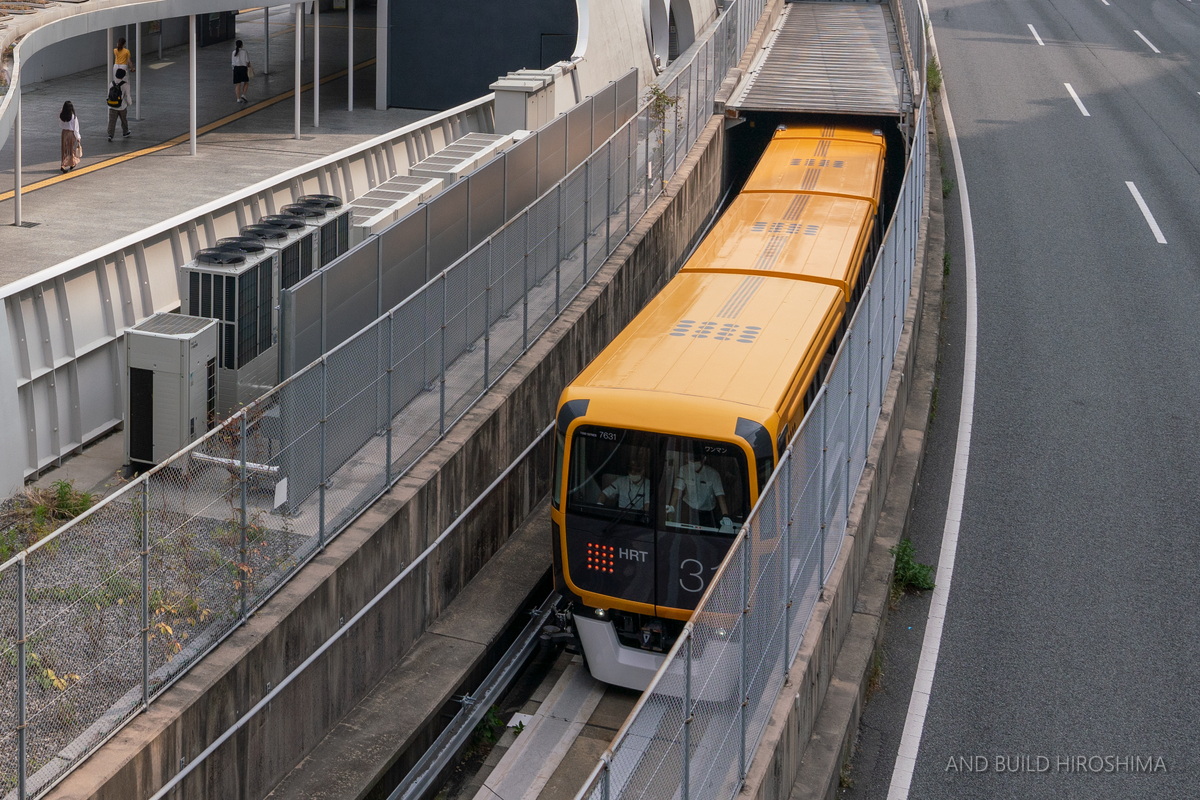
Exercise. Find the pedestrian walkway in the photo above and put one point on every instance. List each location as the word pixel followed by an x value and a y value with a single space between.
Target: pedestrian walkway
pixel 126 185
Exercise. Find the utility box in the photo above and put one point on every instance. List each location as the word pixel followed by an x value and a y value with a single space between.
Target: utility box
pixel 523 102
pixel 171 391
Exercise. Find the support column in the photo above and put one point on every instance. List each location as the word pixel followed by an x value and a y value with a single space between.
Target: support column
pixel 192 82
pixel 316 65
pixel 350 55
pixel 298 15
pixel 16 89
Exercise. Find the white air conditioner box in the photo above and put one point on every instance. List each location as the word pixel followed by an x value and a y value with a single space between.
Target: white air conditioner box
pixel 171 391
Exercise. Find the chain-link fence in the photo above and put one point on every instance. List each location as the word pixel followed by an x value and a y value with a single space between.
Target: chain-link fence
pixel 697 727
pixel 101 617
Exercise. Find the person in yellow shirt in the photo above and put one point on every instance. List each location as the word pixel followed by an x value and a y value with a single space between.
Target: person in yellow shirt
pixel 122 58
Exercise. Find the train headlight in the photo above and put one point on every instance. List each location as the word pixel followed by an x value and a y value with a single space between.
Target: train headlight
pixel 601 613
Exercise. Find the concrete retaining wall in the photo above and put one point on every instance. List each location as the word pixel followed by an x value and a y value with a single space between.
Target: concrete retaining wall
pixel 360 562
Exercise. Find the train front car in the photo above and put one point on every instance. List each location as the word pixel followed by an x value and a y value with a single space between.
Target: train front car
pixel 664 443
pixel 666 439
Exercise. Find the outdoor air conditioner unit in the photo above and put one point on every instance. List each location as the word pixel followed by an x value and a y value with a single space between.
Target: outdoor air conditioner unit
pixel 375 210
pixel 297 241
pixel 171 391
pixel 240 290
pixel 334 223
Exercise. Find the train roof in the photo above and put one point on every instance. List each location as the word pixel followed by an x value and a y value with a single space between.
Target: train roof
pixel 709 341
pixel 813 237
pixel 823 160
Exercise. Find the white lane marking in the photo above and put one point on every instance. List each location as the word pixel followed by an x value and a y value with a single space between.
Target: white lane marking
pixel 1035 35
pixel 1078 102
pixel 1147 41
pixel 1137 196
pixel 918 704
pixel 1108 3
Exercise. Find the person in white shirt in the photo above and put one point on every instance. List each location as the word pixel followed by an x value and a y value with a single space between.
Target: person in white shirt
pixel 241 72
pixel 119 112
pixel 629 491
pixel 72 142
pixel 698 493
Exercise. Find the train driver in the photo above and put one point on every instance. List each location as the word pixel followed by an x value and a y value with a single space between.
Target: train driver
pixel 632 490
pixel 698 493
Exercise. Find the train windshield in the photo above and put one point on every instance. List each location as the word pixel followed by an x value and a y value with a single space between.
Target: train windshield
pixel 659 481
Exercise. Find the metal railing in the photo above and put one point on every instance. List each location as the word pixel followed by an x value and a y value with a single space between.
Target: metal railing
pixel 694 732
pixel 101 617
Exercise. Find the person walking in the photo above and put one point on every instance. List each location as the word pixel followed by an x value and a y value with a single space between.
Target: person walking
pixel 122 58
pixel 72 142
pixel 120 91
pixel 241 72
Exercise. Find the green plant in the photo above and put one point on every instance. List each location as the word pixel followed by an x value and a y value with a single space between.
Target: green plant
pixel 660 104
pixel 945 264
pixel 910 574
pixel 490 728
pixel 947 187
pixel 37 512
pixel 933 77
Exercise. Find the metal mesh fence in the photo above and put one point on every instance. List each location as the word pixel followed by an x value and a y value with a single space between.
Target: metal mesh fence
pixel 126 599
pixel 726 672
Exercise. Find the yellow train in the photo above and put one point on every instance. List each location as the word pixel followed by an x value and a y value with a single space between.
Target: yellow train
pixel 666 439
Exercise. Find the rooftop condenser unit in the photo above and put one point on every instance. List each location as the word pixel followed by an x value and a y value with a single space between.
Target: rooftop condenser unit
pixel 334 222
pixel 240 290
pixel 171 391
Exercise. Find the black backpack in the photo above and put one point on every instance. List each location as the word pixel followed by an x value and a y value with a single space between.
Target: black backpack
pixel 114 94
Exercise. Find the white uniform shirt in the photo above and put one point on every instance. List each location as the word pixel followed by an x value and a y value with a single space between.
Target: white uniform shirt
pixel 701 487
pixel 628 493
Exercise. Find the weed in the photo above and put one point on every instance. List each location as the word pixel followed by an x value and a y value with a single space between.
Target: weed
pixel 933 77
pixel 37 512
pixel 945 264
pixel 947 186
pixel 875 674
pixel 910 575
pixel 491 727
pixel 845 776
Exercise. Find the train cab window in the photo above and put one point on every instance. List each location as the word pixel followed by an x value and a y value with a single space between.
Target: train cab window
pixel 610 474
pixel 646 479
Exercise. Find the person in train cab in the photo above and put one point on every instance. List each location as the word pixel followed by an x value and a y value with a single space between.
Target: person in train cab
pixel 697 494
pixel 629 491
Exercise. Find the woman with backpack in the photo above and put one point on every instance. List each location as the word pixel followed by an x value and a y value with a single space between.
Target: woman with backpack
pixel 72 143
pixel 241 72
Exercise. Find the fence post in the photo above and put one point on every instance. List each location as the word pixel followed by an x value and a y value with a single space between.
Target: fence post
pixel 743 683
pixel 22 714
pixel 387 376
pixel 243 558
pixel 525 285
pixel 847 489
pixel 630 149
pixel 685 784
pixel 321 458
pixel 558 248
pixel 145 555
pixel 587 214
pixel 785 486
pixel 824 488
pixel 608 248
pixel 487 319
pixel 442 376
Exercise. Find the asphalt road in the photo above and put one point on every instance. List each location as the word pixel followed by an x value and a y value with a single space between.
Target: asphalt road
pixel 1069 651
